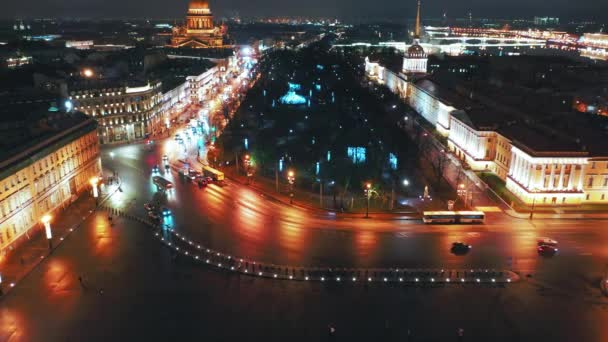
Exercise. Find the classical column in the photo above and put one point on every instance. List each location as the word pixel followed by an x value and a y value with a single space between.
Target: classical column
pixel 530 178
pixel 581 176
pixel 550 185
pixel 560 184
pixel 571 177
pixel 541 178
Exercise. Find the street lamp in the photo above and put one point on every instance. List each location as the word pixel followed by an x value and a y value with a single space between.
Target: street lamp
pixel 368 194
pixel 46 221
pixel 88 73
pixel 406 182
pixel 533 205
pixel 247 162
pixel 291 178
pixel 94 181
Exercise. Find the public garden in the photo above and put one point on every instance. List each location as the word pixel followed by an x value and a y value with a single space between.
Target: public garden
pixel 311 114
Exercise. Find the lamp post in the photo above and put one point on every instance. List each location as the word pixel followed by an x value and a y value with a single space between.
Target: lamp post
pixel 533 205
pixel 368 195
pixel 46 221
pixel 247 164
pixel 94 181
pixel 291 177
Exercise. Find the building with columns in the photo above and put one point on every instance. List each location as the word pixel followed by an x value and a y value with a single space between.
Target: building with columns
pixel 540 165
pixel 199 30
pixel 124 113
pixel 415 58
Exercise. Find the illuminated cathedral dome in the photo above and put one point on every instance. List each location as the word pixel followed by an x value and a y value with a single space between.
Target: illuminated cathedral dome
pixel 198 4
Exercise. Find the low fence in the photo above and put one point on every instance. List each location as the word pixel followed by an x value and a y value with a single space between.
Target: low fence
pixel 182 246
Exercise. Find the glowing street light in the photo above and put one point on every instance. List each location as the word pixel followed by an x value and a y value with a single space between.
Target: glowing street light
pixel 291 177
pixel 46 221
pixel 368 194
pixel 88 73
pixel 406 182
pixel 94 181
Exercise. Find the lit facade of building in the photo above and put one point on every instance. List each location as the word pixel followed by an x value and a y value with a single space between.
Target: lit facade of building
pixel 127 114
pixel 199 30
pixel 415 58
pixel 124 113
pixel 46 177
pixel 537 176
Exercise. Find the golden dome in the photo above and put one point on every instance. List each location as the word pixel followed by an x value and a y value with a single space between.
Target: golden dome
pixel 415 51
pixel 198 4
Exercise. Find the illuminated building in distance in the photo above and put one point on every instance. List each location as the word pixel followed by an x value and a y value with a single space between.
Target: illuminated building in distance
pixel 199 30
pixel 415 58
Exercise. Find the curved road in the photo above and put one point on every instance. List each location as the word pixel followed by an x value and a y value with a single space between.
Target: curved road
pixel 242 222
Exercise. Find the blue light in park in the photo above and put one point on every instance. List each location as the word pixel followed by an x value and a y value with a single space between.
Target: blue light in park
pixel 318 86
pixel 291 98
pixel 356 154
pixel 281 164
pixel 68 105
pixel 246 143
pixel 320 67
pixel 264 92
pixel 328 155
pixel 318 168
pixel 393 161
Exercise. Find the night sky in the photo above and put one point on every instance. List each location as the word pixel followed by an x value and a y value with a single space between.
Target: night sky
pixel 346 9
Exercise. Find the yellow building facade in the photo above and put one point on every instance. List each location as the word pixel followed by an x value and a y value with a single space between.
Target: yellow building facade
pixel 44 179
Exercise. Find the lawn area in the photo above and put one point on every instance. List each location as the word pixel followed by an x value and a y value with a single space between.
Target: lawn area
pixel 499 186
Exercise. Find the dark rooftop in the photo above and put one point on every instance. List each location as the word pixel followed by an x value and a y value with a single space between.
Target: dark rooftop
pixel 24 124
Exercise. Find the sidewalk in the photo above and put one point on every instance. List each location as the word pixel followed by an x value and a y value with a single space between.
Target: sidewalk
pixel 20 262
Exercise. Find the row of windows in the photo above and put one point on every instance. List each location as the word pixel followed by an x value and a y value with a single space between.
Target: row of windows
pixel 43 165
pixel 591 181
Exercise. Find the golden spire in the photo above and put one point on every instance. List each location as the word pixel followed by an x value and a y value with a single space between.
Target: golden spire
pixel 417 30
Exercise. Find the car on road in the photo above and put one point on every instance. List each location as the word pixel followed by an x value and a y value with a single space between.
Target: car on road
pixel 150 207
pixel 545 241
pixel 202 182
pixel 155 169
pixel 546 250
pixel 460 248
pixel 165 159
pixel 165 211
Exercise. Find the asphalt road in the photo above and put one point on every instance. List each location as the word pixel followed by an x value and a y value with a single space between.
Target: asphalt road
pixel 134 289
pixel 240 221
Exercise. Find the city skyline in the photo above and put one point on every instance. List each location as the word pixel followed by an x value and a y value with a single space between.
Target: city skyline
pixel 352 10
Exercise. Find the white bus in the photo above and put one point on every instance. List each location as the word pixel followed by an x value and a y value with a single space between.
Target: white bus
pixel 454 217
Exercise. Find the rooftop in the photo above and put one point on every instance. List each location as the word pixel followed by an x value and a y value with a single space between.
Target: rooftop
pixel 30 126
pixel 535 132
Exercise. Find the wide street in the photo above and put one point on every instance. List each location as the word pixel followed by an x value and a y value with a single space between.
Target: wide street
pixel 134 284
pixel 114 280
